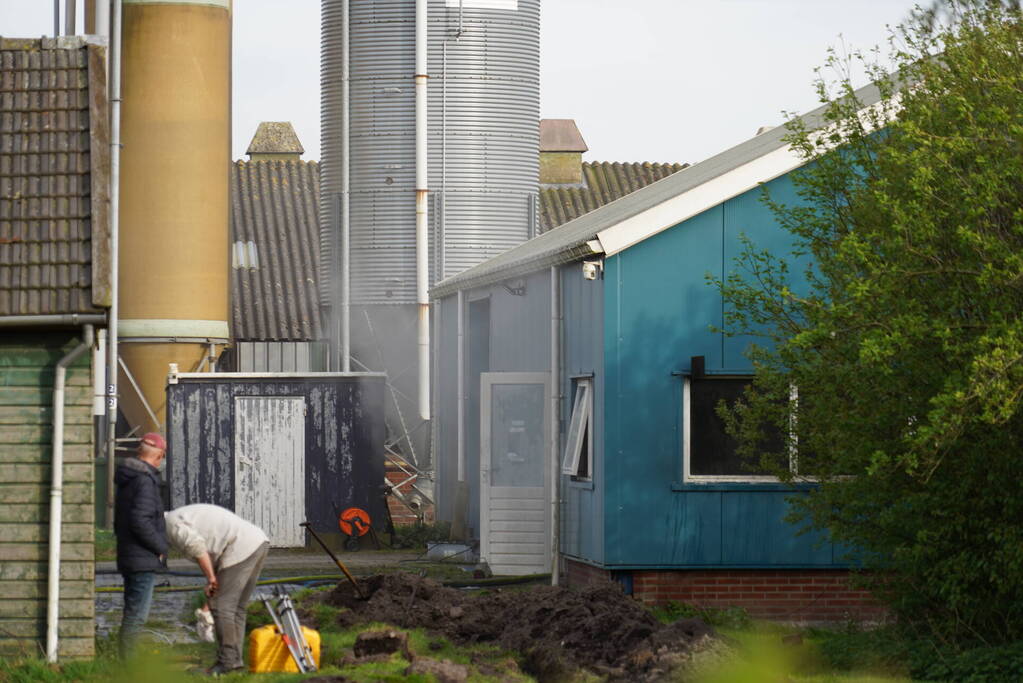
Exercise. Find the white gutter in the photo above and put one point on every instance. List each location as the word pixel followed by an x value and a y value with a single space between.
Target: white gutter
pixel 115 221
pixel 460 439
pixel 555 436
pixel 53 319
pixel 57 494
pixel 422 243
pixel 346 275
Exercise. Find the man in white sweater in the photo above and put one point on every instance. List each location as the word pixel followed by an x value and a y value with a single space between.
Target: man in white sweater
pixel 230 552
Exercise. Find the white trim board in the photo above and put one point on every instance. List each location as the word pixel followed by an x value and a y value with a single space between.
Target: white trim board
pixel 671 212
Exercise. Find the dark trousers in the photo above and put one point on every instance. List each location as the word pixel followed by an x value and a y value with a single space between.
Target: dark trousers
pixel 236 584
pixel 138 598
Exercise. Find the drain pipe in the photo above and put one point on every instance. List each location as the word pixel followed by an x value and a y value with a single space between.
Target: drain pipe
pixel 346 275
pixel 57 494
pixel 555 425
pixel 115 222
pixel 422 243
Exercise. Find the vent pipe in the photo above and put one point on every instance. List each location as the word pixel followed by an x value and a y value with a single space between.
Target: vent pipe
pixel 422 244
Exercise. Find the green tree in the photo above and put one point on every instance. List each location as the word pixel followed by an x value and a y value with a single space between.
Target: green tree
pixel 894 361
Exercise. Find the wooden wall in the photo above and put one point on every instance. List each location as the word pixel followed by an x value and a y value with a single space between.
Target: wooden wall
pixel 26 397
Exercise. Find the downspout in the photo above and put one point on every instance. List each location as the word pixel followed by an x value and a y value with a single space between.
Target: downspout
pixel 70 12
pixel 57 494
pixel 115 221
pixel 422 243
pixel 56 18
pixel 555 425
pixel 460 439
pixel 346 276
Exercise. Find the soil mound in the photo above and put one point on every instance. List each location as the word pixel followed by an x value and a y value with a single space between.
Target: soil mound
pixel 557 629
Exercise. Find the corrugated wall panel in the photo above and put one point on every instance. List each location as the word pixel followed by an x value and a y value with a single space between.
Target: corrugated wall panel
pixel 582 517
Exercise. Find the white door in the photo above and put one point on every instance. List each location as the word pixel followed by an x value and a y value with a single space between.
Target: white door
pixel 269 466
pixel 514 476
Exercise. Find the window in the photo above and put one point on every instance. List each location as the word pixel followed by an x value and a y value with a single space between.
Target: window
pixel 708 451
pixel 579 446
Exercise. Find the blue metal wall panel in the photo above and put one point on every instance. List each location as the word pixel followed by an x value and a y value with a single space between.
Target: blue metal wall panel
pixel 747 216
pixel 754 522
pixel 659 308
pixel 582 343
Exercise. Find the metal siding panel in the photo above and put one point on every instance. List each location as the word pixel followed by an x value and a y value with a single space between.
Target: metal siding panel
pixel 746 215
pixel 445 346
pixel 583 348
pixel 520 326
pixel 754 532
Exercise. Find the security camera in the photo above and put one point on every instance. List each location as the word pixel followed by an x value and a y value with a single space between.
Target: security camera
pixel 592 270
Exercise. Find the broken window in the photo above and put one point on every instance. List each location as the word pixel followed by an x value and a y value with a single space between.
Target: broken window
pixel 578 458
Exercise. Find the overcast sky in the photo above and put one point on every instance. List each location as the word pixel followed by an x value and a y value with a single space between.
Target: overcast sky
pixel 646 80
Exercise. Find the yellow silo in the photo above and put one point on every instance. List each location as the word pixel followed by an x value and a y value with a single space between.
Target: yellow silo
pixel 175 159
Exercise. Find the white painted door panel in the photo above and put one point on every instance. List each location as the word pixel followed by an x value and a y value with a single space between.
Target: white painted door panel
pixel 269 466
pixel 514 472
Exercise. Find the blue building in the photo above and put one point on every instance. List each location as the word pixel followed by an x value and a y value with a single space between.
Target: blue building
pixel 574 408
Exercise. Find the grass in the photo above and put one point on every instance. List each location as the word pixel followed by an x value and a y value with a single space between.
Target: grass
pixel 106 545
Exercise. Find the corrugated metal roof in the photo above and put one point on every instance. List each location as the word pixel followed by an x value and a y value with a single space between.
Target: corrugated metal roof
pixel 275 250
pixel 570 241
pixel 49 174
pixel 604 182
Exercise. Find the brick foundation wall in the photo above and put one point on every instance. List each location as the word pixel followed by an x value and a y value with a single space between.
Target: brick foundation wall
pixel 790 595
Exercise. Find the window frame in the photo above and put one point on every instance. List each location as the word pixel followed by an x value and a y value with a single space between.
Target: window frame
pixel 689 478
pixel 573 455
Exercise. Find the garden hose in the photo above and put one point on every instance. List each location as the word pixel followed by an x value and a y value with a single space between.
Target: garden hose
pixel 309 581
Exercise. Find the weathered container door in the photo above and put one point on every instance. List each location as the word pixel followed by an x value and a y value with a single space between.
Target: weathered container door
pixel 269 466
pixel 514 476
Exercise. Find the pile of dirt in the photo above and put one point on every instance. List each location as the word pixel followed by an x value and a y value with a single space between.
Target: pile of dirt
pixel 558 630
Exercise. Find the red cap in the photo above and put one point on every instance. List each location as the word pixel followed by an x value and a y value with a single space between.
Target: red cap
pixel 155 440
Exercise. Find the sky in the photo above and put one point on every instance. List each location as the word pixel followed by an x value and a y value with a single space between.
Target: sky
pixel 645 80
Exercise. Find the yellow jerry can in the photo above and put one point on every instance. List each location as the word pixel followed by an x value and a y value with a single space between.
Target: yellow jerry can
pixel 267 651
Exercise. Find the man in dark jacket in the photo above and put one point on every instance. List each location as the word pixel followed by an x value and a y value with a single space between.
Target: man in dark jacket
pixel 141 533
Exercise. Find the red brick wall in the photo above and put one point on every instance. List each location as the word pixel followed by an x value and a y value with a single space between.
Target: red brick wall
pixel 797 595
pixel 400 514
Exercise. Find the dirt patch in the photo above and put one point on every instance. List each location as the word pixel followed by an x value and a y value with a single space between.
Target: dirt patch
pixel 557 630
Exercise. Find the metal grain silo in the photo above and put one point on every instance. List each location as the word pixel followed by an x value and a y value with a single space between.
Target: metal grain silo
pixel 479 176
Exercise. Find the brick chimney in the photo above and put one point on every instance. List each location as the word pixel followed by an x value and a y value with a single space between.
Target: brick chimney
pixel 561 152
pixel 275 141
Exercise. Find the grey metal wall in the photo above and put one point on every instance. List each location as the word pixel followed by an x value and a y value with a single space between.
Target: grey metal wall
pixel 582 507
pixel 519 334
pixel 483 138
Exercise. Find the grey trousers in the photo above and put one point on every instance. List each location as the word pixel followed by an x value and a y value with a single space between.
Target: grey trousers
pixel 228 606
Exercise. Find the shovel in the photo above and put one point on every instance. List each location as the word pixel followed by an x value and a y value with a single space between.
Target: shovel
pixel 358 591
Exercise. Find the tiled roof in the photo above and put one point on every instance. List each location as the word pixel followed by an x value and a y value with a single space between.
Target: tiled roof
pixel 603 182
pixel 273 279
pixel 54 177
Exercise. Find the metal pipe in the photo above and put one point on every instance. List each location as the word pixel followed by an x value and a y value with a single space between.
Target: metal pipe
pixel 57 494
pixel 56 18
pixel 460 438
pixel 422 238
pixel 115 221
pixel 555 435
pixel 70 10
pixel 346 274
pixel 54 320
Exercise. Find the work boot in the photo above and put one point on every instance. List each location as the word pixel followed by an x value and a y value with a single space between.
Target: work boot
pixel 219 669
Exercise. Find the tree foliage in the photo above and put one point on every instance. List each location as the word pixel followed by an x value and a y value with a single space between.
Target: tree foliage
pixel 894 361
